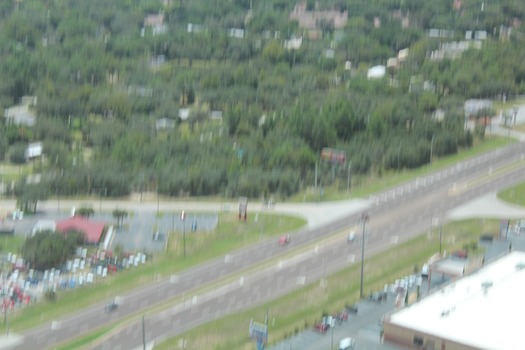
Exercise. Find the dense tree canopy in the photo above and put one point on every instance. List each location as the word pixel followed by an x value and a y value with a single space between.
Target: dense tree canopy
pixel 250 115
pixel 47 250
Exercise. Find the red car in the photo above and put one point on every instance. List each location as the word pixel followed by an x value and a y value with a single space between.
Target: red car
pixel 321 327
pixel 284 240
pixel 460 254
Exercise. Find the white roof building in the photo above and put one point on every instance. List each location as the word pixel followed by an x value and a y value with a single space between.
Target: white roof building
pixel 480 311
pixel 376 72
pixel 43 225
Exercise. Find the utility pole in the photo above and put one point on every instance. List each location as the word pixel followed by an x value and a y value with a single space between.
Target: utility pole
pixel 440 237
pixel 364 219
pixel 348 179
pixel 183 218
pixel 431 149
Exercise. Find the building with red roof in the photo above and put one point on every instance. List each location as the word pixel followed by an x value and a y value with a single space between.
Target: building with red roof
pixel 92 230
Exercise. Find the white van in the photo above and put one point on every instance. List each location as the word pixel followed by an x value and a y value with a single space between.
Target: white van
pixel 424 271
pixel 346 344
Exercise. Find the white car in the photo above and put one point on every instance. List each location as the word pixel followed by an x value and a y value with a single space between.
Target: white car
pixel 346 343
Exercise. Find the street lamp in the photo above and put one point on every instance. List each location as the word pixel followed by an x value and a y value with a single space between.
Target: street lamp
pixel 364 219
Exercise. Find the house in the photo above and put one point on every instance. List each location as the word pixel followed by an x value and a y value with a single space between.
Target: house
pixel 376 72
pixel 23 113
pixel 313 19
pixel 156 23
pixel 92 230
pixel 33 150
pixel 236 33
pixel 165 123
pixel 184 113
pixel 195 28
pixel 157 61
pixel 216 115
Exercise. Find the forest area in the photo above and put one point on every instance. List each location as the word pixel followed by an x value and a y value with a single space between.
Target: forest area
pixel 216 98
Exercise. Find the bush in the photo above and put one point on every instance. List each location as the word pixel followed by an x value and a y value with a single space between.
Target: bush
pixel 50 295
pixel 17 154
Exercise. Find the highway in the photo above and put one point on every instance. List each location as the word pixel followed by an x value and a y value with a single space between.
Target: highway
pixel 262 272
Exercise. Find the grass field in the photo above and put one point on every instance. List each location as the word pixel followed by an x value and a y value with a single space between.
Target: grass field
pixel 514 195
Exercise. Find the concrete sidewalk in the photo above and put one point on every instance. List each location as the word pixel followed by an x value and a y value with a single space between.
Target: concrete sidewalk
pixel 10 340
pixel 488 206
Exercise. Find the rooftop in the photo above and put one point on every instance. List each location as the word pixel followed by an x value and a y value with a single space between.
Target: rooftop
pixel 478 310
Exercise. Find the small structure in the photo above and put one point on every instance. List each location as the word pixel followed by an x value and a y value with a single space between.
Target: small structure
pixel 23 113
pixel 294 43
pixel 184 113
pixel 236 33
pixel 156 23
pixel 165 123
pixel 216 115
pixel 376 72
pixel 243 208
pixel 33 150
pixel 314 19
pixel 43 225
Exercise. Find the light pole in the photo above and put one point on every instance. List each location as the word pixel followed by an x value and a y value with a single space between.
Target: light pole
pixel 364 219
pixel 435 223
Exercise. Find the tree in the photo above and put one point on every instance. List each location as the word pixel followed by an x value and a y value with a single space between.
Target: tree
pixel 28 195
pixel 3 144
pixel 46 250
pixel 85 212
pixel 17 154
pixel 120 215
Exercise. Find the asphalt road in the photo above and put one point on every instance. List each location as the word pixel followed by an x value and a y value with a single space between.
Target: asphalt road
pixel 394 215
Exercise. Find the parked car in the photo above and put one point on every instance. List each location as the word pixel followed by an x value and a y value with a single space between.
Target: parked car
pixel 376 297
pixel 424 270
pixel 352 309
pixel 487 237
pixel 460 254
pixel 346 343
pixel 321 327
